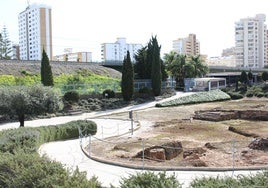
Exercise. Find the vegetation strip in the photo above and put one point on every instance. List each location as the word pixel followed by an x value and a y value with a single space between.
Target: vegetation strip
pixel 20 160
pixel 200 97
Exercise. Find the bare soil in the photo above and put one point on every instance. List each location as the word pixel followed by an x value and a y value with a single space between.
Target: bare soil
pixel 210 144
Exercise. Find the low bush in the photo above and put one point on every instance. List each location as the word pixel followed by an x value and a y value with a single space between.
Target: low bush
pixel 28 139
pixel 249 94
pixel 258 180
pixel 235 96
pixel 200 97
pixel 71 96
pixel 150 180
pixel 19 139
pixel 259 94
pixel 108 93
pixel 23 169
pixel 20 160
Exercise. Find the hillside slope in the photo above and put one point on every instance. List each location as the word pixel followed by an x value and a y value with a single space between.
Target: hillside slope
pixel 15 67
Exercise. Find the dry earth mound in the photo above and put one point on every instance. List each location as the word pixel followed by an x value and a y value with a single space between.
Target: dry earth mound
pixel 15 67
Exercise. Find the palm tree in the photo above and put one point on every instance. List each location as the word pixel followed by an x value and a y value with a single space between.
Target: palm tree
pixel 176 65
pixel 198 66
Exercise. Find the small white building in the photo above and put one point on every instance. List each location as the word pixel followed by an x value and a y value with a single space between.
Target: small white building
pixel 204 84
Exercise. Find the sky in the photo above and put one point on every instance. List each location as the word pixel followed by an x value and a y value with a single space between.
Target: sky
pixel 84 25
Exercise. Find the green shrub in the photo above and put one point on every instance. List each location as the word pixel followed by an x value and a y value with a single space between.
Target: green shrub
pixel 29 170
pixel 249 94
pixel 20 160
pixel 265 88
pixel 7 80
pixel 19 139
pixel 150 180
pixel 108 93
pixel 259 94
pixel 235 96
pixel 71 96
pixel 28 139
pixel 258 180
pixel 199 97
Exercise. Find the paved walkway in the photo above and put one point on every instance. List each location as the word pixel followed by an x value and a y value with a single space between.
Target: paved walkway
pixel 69 152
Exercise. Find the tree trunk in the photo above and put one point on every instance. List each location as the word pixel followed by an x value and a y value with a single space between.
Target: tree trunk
pixel 21 120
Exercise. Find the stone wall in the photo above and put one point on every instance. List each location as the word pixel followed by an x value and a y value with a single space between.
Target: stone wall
pixel 222 115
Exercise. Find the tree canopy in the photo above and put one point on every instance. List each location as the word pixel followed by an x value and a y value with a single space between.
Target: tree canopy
pixel 264 76
pixel 127 82
pixel 142 67
pixel 181 66
pixel 5 44
pixel 244 77
pixel 33 100
pixel 46 72
pixel 155 61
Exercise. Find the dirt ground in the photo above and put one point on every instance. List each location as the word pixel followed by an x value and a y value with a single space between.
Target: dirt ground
pixel 204 143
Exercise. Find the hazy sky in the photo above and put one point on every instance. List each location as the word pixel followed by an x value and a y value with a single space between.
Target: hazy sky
pixel 84 24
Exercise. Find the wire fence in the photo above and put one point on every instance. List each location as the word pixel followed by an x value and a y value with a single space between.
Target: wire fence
pixel 231 155
pixel 117 141
pixel 115 86
pixel 88 88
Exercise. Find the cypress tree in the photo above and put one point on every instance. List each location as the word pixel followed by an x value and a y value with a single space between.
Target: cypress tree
pixel 127 82
pixel 46 72
pixel 154 57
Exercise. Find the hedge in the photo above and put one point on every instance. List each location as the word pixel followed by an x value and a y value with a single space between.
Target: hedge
pixel 200 97
pixel 28 139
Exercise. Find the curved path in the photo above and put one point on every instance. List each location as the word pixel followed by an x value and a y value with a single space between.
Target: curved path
pixel 69 152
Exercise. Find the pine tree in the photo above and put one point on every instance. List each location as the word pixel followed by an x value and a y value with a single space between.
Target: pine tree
pixel 154 58
pixel 46 72
pixel 5 44
pixel 127 83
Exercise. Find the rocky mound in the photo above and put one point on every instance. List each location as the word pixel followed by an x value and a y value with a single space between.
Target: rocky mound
pixel 259 144
pixel 222 115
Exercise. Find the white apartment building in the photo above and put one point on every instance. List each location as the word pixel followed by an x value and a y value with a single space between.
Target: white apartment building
pixel 187 46
pixel 114 53
pixel 74 57
pixel 266 48
pixel 250 42
pixel 35 32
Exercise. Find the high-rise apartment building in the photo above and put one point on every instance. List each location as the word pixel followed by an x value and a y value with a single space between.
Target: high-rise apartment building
pixel 250 42
pixel 114 53
pixel 187 46
pixel 266 48
pixel 35 32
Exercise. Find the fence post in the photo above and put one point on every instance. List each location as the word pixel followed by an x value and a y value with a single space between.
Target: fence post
pixel 233 156
pixel 131 118
pixel 102 132
pixel 89 144
pixel 80 137
pixel 142 153
pixel 117 130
